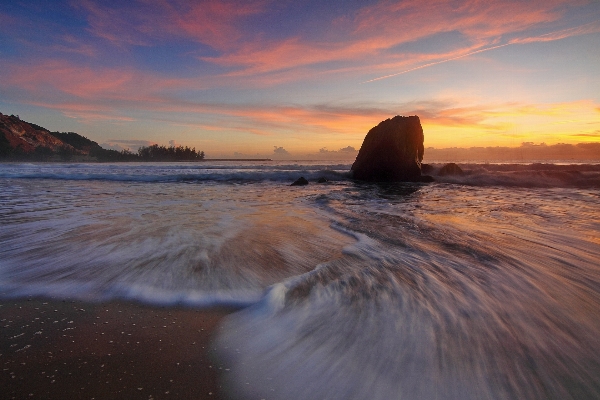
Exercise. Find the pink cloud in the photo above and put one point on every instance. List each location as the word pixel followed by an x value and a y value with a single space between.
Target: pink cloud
pixel 59 77
pixel 211 22
pixel 72 44
pixel 592 27
pixel 363 41
pixel 215 22
pixel 119 26
pixel 487 25
pixel 116 95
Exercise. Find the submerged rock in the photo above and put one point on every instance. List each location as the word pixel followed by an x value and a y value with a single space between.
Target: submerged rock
pixel 300 182
pixel 322 180
pixel 391 152
pixel 450 169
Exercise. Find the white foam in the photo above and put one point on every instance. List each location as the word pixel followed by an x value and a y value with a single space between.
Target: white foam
pixel 189 172
pixel 528 175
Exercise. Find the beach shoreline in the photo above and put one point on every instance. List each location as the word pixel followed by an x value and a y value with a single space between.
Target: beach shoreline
pixel 54 348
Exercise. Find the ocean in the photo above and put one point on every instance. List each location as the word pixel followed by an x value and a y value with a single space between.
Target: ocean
pixel 484 285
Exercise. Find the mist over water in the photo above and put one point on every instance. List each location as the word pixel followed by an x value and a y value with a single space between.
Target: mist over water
pixel 481 286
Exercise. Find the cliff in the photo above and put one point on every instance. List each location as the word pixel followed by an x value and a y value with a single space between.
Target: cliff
pixel 21 137
pixel 22 141
pixel 24 135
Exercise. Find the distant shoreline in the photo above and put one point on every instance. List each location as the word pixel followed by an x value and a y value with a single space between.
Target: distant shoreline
pixel 236 159
pixel 87 159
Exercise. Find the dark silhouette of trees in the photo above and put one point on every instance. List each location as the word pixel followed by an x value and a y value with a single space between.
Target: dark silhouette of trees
pixel 42 153
pixel 76 140
pixel 154 153
pixel 5 147
pixel 105 155
pixel 66 153
pixel 172 153
pixel 18 153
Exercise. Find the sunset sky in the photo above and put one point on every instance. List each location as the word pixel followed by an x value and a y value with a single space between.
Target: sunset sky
pixel 292 78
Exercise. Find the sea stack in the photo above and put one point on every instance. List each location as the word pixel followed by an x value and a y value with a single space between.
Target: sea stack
pixel 391 152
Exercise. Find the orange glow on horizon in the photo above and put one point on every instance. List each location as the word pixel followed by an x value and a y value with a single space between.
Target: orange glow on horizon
pixel 230 76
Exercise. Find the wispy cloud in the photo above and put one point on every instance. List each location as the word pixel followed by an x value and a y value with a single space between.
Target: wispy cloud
pixel 362 39
pixel 131 23
pixel 585 29
pixel 119 95
pixel 211 22
pixel 438 62
pixel 327 119
pixel 374 30
pixel 592 27
pixel 215 22
pixel 106 66
pixel 74 45
pixel 594 135
pixel 64 80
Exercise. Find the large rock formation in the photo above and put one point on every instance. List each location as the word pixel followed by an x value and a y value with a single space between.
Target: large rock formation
pixel 391 152
pixel 20 140
pixel 27 136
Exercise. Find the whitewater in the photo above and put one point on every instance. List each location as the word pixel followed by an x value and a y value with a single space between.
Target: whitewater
pixel 484 285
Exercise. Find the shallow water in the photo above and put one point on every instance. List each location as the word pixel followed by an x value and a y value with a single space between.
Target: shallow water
pixel 484 285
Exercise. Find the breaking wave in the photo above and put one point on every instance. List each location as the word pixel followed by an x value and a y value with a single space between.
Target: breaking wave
pixel 524 175
pixel 475 287
pixel 510 175
pixel 196 172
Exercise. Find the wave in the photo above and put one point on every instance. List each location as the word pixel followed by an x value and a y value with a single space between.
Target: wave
pixel 509 175
pixel 146 294
pixel 483 306
pixel 523 175
pixel 351 291
pixel 150 173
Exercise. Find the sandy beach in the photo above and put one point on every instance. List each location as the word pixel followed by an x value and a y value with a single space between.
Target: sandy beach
pixel 57 349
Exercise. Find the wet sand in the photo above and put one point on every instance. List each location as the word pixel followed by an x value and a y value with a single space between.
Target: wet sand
pixel 57 349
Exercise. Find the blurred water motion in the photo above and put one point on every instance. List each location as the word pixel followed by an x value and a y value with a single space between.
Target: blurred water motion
pixel 453 293
pixel 353 291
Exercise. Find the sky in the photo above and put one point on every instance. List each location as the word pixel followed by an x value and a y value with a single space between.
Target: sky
pixel 302 79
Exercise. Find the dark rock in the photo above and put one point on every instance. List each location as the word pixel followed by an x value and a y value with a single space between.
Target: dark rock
pixel 450 169
pixel 391 152
pixel 427 179
pixel 426 168
pixel 300 182
pixel 322 180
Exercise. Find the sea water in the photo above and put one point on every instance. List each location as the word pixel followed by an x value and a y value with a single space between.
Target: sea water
pixel 484 285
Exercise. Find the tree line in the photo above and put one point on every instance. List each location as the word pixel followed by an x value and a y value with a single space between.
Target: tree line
pixel 171 153
pixel 77 146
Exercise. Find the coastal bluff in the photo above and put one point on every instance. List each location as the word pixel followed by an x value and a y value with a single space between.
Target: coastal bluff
pixel 391 152
pixel 15 133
